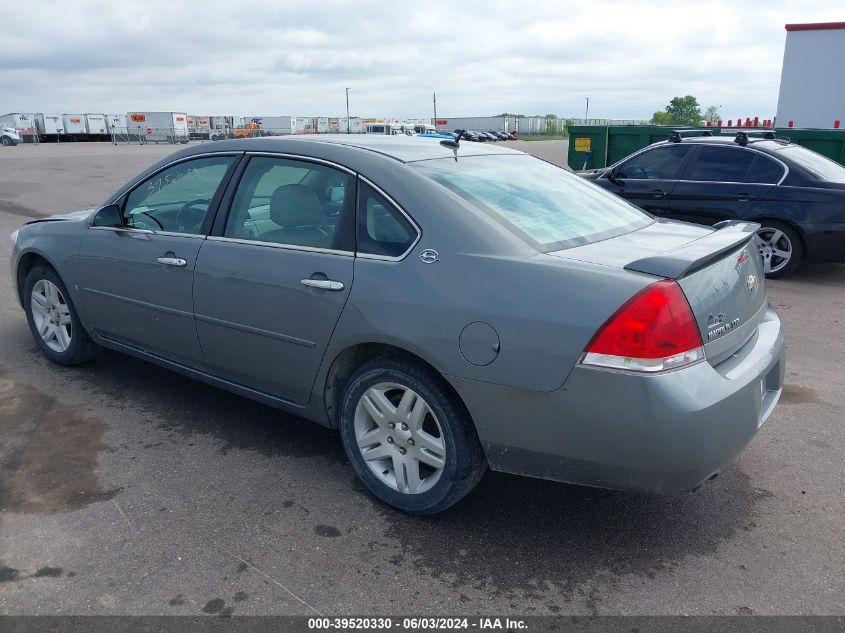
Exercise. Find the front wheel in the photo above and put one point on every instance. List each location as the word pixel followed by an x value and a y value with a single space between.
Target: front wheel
pixel 408 437
pixel 53 320
pixel 780 247
pixel 6 141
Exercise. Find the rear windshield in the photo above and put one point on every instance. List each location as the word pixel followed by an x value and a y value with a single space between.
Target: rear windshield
pixel 819 165
pixel 547 206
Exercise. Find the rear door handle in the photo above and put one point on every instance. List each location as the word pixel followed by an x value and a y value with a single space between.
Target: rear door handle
pixel 323 284
pixel 172 261
pixel 742 197
pixel 657 193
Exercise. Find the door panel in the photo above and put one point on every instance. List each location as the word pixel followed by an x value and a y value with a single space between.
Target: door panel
pixel 651 195
pixel 258 324
pixel 648 178
pixel 722 182
pixel 708 203
pixel 127 295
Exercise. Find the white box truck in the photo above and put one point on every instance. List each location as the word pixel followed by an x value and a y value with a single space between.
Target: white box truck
pixel 49 124
pixel 321 124
pixel 159 127
pixel 95 125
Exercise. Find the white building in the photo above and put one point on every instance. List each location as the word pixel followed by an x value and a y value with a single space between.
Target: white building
pixel 812 82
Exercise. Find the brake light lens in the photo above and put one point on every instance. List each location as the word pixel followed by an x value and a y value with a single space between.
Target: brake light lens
pixel 653 331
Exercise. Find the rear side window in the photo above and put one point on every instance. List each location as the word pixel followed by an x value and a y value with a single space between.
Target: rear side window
pixel 546 206
pixel 382 228
pixel 660 163
pixel 295 203
pixel 764 170
pixel 720 164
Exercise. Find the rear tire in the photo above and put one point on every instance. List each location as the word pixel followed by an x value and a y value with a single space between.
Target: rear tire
pixel 53 320
pixel 408 437
pixel 6 141
pixel 780 247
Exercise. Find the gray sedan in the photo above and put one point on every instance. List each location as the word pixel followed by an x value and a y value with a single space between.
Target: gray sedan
pixel 448 307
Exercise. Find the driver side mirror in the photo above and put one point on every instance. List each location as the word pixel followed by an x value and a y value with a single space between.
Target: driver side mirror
pixel 612 175
pixel 109 215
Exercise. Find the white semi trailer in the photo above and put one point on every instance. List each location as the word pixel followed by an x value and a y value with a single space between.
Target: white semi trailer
pixel 95 126
pixel 74 125
pixel 159 127
pixel 49 125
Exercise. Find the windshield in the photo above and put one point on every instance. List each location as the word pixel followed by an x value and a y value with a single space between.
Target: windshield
pixel 819 165
pixel 545 205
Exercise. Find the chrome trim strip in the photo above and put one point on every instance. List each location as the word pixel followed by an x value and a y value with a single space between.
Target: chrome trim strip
pixel 132 184
pixel 723 182
pixel 254 330
pixel 290 247
pixel 416 226
pixel 142 304
pixel 300 157
pixel 129 229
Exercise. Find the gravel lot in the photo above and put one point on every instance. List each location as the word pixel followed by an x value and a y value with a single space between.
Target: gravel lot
pixel 126 489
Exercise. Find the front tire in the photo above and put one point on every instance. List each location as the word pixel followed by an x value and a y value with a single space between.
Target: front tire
pixel 53 320
pixel 408 437
pixel 5 140
pixel 781 248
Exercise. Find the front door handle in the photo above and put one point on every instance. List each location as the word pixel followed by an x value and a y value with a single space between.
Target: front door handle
pixel 323 284
pixel 657 193
pixel 742 197
pixel 172 261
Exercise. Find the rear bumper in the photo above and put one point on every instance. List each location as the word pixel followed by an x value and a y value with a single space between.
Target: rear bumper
pixel 660 433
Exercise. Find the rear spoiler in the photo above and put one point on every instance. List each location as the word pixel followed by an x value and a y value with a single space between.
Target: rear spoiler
pixel 690 257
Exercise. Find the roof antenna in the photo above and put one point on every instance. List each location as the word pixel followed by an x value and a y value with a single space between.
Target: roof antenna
pixel 455 143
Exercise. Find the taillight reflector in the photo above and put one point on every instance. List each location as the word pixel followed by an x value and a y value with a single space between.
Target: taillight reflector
pixel 653 331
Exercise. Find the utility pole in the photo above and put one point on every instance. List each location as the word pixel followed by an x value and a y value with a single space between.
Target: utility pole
pixel 348 122
pixel 587 113
pixel 434 94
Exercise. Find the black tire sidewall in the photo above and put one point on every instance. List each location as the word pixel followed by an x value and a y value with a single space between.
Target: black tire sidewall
pixel 462 445
pixel 797 247
pixel 78 350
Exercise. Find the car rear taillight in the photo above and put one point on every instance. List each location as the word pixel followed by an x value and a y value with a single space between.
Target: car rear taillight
pixel 652 331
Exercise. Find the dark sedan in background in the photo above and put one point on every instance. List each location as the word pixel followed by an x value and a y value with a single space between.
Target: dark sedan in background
pixel 795 194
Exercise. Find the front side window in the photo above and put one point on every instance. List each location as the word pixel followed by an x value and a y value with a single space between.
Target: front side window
pixel 177 199
pixel 661 163
pixel 720 164
pixel 382 229
pixel 295 203
pixel 544 205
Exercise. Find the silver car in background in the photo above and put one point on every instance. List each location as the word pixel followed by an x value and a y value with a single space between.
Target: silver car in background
pixel 447 307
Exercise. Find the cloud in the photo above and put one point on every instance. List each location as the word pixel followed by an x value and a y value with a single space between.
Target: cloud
pixel 481 58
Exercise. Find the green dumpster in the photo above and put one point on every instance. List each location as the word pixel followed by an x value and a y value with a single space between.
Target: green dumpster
pixel 596 146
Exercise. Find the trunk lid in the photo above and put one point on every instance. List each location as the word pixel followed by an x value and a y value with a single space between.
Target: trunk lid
pixel 718 269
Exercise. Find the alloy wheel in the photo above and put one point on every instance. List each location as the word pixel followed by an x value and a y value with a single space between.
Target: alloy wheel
pixel 51 315
pixel 400 438
pixel 775 249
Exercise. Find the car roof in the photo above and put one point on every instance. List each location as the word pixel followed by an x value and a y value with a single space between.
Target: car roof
pixel 402 148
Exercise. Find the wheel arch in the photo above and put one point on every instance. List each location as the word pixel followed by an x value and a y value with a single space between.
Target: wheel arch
pixel 762 219
pixel 348 360
pixel 26 262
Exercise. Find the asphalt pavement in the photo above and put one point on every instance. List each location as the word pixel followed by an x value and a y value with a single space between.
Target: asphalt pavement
pixel 128 489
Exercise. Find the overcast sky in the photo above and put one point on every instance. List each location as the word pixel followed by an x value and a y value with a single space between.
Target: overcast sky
pixel 481 57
